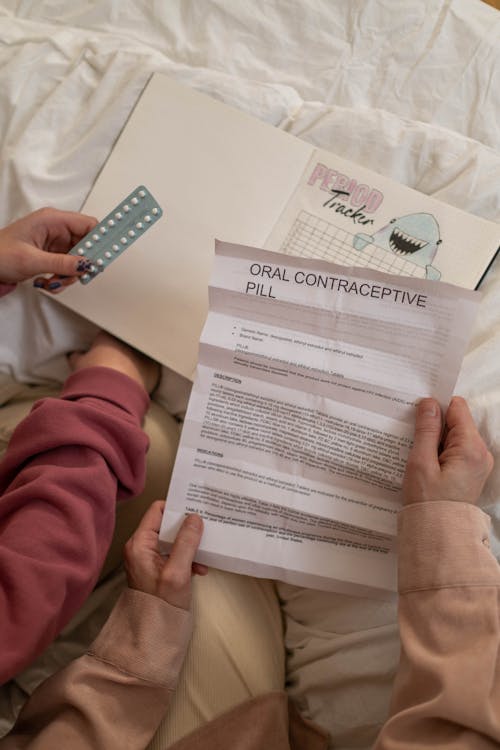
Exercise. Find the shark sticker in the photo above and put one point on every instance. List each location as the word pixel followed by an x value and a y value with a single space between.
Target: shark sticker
pixel 415 237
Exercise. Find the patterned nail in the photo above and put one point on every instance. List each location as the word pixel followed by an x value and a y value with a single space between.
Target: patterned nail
pixel 54 285
pixel 83 265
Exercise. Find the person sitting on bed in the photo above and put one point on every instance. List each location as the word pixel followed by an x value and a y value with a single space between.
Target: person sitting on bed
pixel 67 462
pixel 447 689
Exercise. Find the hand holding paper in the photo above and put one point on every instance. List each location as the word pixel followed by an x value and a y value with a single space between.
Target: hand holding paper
pixel 462 467
pixel 148 571
pixel 301 417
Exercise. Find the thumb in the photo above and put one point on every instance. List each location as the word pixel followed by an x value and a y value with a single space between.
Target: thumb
pixel 186 543
pixel 61 264
pixel 428 426
pixel 174 585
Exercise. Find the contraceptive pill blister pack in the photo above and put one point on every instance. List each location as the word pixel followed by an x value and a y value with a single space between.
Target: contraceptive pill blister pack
pixel 125 224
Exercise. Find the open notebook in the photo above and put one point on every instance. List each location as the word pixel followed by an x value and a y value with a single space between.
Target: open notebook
pixel 218 173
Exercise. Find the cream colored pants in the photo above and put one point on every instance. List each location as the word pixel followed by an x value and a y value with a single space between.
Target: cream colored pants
pixel 337 658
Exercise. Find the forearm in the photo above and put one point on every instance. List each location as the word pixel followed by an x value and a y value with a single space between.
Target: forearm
pixel 447 690
pixel 59 480
pixel 116 695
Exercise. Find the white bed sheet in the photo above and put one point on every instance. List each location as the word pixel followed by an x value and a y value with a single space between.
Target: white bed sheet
pixel 410 88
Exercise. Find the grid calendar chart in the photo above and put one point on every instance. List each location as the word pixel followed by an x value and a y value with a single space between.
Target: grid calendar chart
pixel 313 237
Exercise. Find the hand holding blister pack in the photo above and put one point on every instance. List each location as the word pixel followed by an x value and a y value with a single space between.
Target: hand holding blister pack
pixel 123 226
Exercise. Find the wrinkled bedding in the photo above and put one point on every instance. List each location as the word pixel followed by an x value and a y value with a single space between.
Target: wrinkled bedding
pixel 409 88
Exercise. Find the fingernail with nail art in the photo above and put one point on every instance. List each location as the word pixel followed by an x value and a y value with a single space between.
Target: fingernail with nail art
pixel 83 265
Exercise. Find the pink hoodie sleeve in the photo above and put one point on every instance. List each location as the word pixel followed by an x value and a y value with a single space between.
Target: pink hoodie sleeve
pixel 447 690
pixel 65 466
pixel 114 696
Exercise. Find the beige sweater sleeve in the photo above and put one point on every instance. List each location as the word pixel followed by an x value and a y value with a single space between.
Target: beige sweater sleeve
pixel 115 695
pixel 447 690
